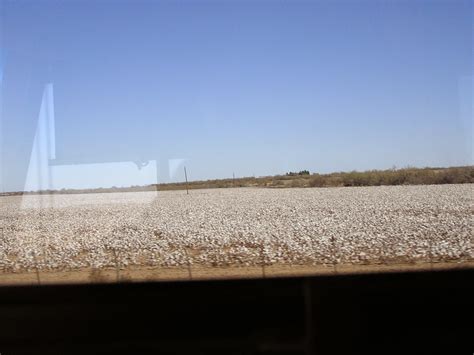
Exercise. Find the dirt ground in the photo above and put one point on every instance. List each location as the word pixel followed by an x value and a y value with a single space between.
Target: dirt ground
pixel 152 274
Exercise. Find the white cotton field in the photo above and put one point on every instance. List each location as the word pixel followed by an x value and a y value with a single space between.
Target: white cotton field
pixel 241 226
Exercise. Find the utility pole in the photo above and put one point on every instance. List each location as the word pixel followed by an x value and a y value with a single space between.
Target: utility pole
pixel 186 177
pixel 233 179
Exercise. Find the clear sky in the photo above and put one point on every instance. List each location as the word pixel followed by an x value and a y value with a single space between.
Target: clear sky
pixel 251 87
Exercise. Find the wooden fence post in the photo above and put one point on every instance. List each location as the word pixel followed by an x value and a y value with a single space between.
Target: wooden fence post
pixel 117 271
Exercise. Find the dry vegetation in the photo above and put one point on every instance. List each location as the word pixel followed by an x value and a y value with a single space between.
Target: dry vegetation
pixel 406 176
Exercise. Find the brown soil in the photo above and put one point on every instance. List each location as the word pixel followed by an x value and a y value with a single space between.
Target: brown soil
pixel 149 274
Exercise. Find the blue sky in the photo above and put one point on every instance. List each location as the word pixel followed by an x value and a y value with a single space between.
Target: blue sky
pixel 251 87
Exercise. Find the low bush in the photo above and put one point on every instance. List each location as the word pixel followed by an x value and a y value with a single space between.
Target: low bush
pixel 406 176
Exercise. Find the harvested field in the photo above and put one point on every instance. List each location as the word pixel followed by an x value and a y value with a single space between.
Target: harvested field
pixel 240 227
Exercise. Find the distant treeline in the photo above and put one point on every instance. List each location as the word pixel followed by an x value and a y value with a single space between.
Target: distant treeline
pixel 405 176
pixel 302 172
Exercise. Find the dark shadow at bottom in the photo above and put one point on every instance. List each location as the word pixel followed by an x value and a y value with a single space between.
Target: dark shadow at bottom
pixel 412 313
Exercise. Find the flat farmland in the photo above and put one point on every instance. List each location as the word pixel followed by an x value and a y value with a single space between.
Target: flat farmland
pixel 236 232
